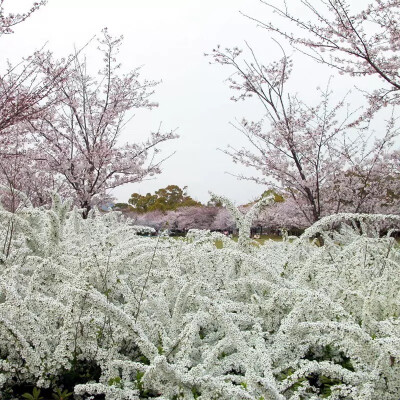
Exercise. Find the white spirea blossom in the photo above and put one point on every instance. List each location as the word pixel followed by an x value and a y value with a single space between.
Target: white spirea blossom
pixel 180 319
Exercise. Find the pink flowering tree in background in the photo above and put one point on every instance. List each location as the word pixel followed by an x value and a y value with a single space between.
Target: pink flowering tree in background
pixel 358 41
pixel 183 218
pixel 155 219
pixel 282 215
pixel 186 218
pixel 223 220
pixel 77 138
pixel 310 152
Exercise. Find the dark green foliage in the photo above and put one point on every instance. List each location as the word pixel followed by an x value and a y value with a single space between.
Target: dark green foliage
pixel 195 393
pixel 34 396
pixel 121 207
pixel 278 198
pixel 82 371
pixel 322 383
pixel 40 394
pixel 328 353
pixel 61 394
pixel 117 381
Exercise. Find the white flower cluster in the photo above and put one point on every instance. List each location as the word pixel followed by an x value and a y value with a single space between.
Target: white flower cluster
pixel 159 318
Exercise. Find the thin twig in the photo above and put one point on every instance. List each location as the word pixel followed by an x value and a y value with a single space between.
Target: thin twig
pixel 146 280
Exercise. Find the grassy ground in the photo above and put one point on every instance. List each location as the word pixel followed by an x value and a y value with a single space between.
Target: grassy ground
pixel 263 238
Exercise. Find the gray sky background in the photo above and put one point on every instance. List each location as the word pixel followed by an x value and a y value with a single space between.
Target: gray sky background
pixel 169 38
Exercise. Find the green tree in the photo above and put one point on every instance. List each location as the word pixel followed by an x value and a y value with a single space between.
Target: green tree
pixel 168 198
pixel 141 203
pixel 121 207
pixel 277 197
pixel 214 203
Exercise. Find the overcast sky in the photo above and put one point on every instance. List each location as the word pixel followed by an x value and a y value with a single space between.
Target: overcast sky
pixel 169 38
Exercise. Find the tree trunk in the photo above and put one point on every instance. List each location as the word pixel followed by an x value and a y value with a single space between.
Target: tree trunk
pixel 86 208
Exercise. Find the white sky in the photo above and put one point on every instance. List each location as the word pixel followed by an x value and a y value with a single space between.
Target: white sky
pixel 169 39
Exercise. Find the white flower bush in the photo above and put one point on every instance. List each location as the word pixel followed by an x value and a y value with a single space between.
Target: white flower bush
pixel 91 306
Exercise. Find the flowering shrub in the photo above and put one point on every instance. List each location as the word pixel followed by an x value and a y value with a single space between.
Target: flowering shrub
pixel 92 307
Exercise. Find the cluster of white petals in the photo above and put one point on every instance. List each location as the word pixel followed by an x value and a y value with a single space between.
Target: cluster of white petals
pixel 162 318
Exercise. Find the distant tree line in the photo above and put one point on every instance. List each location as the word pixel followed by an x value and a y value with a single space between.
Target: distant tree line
pixel 172 208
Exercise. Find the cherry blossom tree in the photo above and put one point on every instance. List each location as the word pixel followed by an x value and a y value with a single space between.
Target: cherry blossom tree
pixel 20 171
pixel 223 220
pixel 25 93
pixel 183 218
pixel 24 90
pixel 8 21
pixel 155 219
pixel 186 218
pixel 311 152
pixel 283 215
pixel 356 38
pixel 78 137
